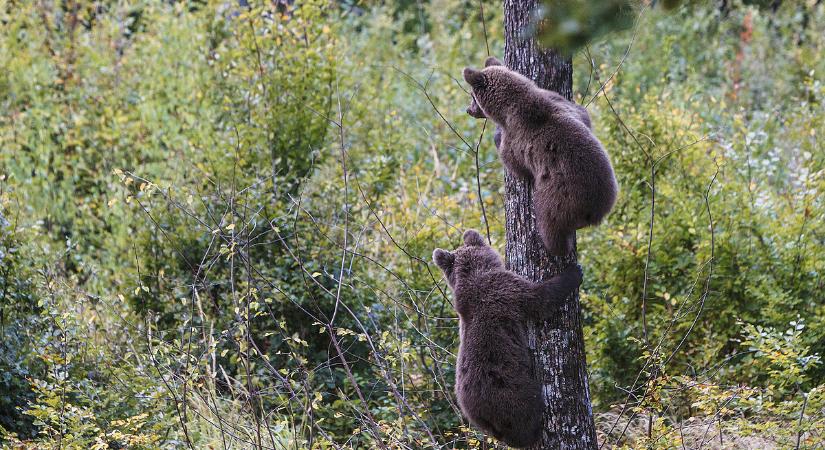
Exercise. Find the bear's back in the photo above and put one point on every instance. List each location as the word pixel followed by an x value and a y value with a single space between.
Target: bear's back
pixel 494 331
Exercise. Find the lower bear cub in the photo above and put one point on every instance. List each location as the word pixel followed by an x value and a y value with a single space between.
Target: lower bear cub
pixel 543 137
pixel 494 386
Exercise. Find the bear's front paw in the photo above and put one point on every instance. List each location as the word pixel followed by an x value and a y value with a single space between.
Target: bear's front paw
pixel 573 275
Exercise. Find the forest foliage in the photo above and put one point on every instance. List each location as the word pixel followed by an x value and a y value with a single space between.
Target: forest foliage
pixel 216 223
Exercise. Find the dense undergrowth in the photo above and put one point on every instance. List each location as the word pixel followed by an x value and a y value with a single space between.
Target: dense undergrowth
pixel 216 222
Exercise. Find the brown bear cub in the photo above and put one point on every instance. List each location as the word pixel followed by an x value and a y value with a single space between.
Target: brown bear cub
pixel 546 139
pixel 494 385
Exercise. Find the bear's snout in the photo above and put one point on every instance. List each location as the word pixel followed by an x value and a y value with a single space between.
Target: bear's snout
pixel 474 110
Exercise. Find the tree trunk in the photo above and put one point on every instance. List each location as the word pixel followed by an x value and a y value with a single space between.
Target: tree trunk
pixel 557 345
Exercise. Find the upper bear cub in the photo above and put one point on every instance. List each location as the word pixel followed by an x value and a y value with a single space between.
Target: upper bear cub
pixel 494 385
pixel 545 138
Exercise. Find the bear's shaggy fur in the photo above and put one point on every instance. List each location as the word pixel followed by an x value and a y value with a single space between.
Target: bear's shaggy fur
pixel 494 385
pixel 543 137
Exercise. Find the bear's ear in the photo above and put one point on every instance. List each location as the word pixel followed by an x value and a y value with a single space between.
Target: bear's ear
pixel 492 61
pixel 475 78
pixel 471 237
pixel 443 259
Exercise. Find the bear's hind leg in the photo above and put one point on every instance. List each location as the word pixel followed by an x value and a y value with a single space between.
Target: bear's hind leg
pixel 552 203
pixel 488 428
pixel 524 434
pixel 558 242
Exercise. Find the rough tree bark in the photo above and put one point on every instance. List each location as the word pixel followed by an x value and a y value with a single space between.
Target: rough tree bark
pixel 557 345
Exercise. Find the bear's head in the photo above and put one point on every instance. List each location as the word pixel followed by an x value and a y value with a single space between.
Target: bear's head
pixel 473 258
pixel 474 110
pixel 495 89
